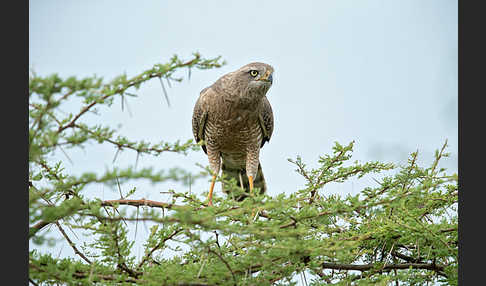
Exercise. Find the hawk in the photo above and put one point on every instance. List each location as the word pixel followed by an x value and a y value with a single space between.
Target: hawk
pixel 234 119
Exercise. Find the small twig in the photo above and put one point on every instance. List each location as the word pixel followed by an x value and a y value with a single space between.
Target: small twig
pixel 73 246
pixel 60 250
pixel 122 100
pixel 121 261
pixel 128 107
pixel 439 156
pixel 202 266
pixel 410 169
pixel 119 188
pixel 165 92
pixel 116 154
pixel 391 249
pixel 136 225
pixel 217 239
pixel 241 180
pixel 136 160
pixel 318 184
pixel 190 183
pixel 305 279
pixel 104 207
pixel 406 257
pixel 225 263
pixel 69 159
pixel 159 245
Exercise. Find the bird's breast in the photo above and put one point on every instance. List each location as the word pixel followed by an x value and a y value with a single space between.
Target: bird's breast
pixel 233 132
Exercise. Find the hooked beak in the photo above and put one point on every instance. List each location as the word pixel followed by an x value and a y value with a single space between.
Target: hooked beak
pixel 267 77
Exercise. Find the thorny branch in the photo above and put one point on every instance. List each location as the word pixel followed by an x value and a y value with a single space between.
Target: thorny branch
pixel 329 233
pixel 120 91
pixel 364 267
pixel 158 246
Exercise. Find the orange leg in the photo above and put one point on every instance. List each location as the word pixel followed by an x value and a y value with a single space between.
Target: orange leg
pixel 250 180
pixel 210 195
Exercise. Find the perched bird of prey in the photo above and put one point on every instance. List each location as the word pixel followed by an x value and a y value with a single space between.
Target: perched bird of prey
pixel 234 119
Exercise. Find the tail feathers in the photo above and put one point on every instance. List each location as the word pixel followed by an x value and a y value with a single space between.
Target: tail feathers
pixel 242 181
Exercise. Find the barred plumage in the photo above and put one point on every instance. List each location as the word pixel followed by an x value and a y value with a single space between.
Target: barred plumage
pixel 234 118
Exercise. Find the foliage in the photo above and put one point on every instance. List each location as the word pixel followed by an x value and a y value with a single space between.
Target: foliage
pixel 403 229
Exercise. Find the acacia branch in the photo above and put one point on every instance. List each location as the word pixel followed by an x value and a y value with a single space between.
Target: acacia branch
pixel 108 277
pixel 76 250
pixel 158 246
pixel 364 267
pixel 410 169
pixel 121 261
pixel 142 202
pixel 225 263
pixel 81 275
pixel 123 89
pixel 318 185
pixel 406 257
pixel 73 246
pixel 126 145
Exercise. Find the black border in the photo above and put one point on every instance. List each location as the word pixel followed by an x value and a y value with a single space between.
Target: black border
pixel 471 145
pixel 15 126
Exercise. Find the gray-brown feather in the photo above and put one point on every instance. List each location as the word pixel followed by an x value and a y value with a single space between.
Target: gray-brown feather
pixel 235 119
pixel 267 116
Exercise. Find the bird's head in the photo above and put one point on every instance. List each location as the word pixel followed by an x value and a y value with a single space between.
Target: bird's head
pixel 255 77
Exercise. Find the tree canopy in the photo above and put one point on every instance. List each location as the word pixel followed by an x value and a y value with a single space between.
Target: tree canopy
pixel 402 229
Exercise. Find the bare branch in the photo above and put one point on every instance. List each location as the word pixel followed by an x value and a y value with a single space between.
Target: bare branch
pixel 364 267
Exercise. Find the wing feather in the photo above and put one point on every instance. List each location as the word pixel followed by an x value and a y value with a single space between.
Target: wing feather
pixel 266 121
pixel 199 117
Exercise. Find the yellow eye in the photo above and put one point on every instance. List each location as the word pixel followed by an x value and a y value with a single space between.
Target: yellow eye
pixel 253 73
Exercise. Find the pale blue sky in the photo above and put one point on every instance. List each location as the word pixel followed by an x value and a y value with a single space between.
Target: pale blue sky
pixel 382 73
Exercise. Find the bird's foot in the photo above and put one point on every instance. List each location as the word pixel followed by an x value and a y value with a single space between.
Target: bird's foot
pixel 210 195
